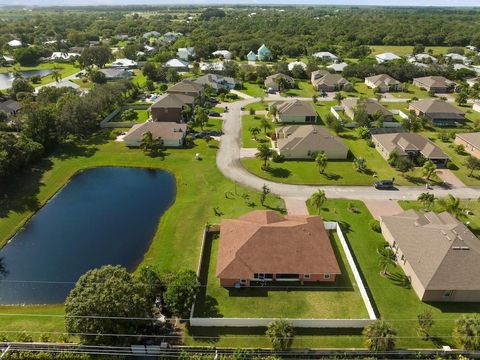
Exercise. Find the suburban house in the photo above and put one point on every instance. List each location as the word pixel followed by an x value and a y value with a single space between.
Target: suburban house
pixel 58 55
pixel 64 83
pixel 10 107
pixel 264 53
pixel 172 134
pixel 459 59
pixel 186 53
pixel 423 59
pixel 297 63
pixel 303 141
pixel 186 87
pixel 224 54
pixel 151 34
pixel 384 83
pixel 271 82
pixel 386 57
pixel 263 247
pixel 14 43
pixel 438 253
pixel 438 112
pixel 217 66
pixel 7 59
pixel 337 67
pixel 325 56
pixel 171 36
pixel 116 73
pixel 124 63
pixel 177 64
pixel 411 145
pixel 470 141
pixel 436 84
pixel 217 82
pixel 372 107
pixel 169 107
pixel 251 56
pixel 322 80
pixel 296 111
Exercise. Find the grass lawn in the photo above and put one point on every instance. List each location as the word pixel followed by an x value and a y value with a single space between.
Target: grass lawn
pixel 200 188
pixel 257 106
pixel 457 159
pixel 218 109
pixel 253 90
pixel 249 121
pixel 83 84
pixel 213 124
pixel 405 50
pixel 138 78
pixel 472 205
pixel 142 116
pixel 65 70
pixel 305 89
pixel 306 172
pixel 314 301
pixel 413 91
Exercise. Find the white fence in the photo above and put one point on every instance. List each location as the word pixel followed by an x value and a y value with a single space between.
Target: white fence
pixel 399 113
pixel 334 110
pixel 300 323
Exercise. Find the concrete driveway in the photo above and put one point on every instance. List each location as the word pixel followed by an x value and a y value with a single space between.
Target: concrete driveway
pixel 383 208
pixel 450 179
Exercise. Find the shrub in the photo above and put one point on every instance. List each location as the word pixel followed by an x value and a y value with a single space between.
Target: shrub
pixel 24 337
pixel 375 225
pixel 278 158
pixel 251 111
pixel 451 166
pixel 370 143
pixel 459 149
pixel 443 136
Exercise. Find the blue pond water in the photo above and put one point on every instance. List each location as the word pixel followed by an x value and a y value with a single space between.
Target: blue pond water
pixel 6 79
pixel 103 216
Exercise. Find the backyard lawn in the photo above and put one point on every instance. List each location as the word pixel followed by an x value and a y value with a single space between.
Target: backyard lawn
pixel 142 116
pixel 250 121
pixel 305 89
pixel 314 301
pixel 176 245
pixel 253 90
pixel 257 106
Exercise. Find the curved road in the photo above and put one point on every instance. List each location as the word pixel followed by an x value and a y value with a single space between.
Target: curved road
pixel 228 161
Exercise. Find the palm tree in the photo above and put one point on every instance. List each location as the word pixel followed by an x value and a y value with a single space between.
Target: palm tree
pixel 452 205
pixel 380 336
pixel 264 153
pixel 56 74
pixel 428 169
pixel 254 131
pixel 466 333
pixel 265 124
pixel 147 141
pixel 426 199
pixel 338 97
pixel 360 164
pixel 317 200
pixel 386 258
pixel 321 161
pixel 280 333
pixel 272 111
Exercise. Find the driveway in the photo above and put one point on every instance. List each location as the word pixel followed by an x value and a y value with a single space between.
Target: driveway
pixel 248 152
pixel 450 179
pixel 228 162
pixel 383 208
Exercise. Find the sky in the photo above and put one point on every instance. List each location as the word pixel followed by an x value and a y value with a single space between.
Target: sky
pixel 449 3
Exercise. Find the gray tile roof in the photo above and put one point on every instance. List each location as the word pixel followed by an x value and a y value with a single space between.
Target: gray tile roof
pixel 403 142
pixel 471 138
pixel 164 130
pixel 438 109
pixel 308 138
pixel 295 108
pixel 443 252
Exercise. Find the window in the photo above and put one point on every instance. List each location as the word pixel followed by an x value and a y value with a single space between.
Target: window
pixel 306 276
pixel 448 293
pixel 326 276
pixel 243 281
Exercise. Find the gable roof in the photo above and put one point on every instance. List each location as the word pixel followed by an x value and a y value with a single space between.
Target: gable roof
pixel 10 106
pixel 173 100
pixel 403 142
pixel 325 54
pixel 443 252
pixel 164 130
pixel 388 56
pixel 215 81
pixel 328 79
pixel 438 109
pixel 309 138
pixel 434 81
pixel 186 86
pixel 337 67
pixel 295 108
pixel 382 79
pixel 176 63
pixel 471 138
pixel 265 242
pixel 371 106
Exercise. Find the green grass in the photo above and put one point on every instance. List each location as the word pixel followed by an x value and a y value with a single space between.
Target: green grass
pixel 472 205
pixel 213 124
pixel 257 106
pixel 142 116
pixel 249 121
pixel 413 91
pixel 65 69
pixel 313 301
pixel 305 89
pixel 83 84
pixel 405 50
pixel 218 109
pixel 253 90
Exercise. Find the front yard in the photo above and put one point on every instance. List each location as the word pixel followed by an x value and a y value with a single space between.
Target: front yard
pixel 339 300
pixel 253 90
pixel 304 89
pixel 252 121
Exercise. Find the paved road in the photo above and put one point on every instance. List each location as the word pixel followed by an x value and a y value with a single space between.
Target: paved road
pixel 228 161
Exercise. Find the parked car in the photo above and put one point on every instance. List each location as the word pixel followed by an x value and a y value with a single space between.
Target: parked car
pixel 384 185
pixel 213 100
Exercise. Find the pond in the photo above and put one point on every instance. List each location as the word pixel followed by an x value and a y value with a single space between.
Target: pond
pixel 6 79
pixel 102 216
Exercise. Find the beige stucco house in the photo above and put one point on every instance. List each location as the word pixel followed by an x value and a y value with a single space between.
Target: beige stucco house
pixel 303 141
pixel 296 111
pixel 172 134
pixel 438 253
pixel 471 143
pixel 383 82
